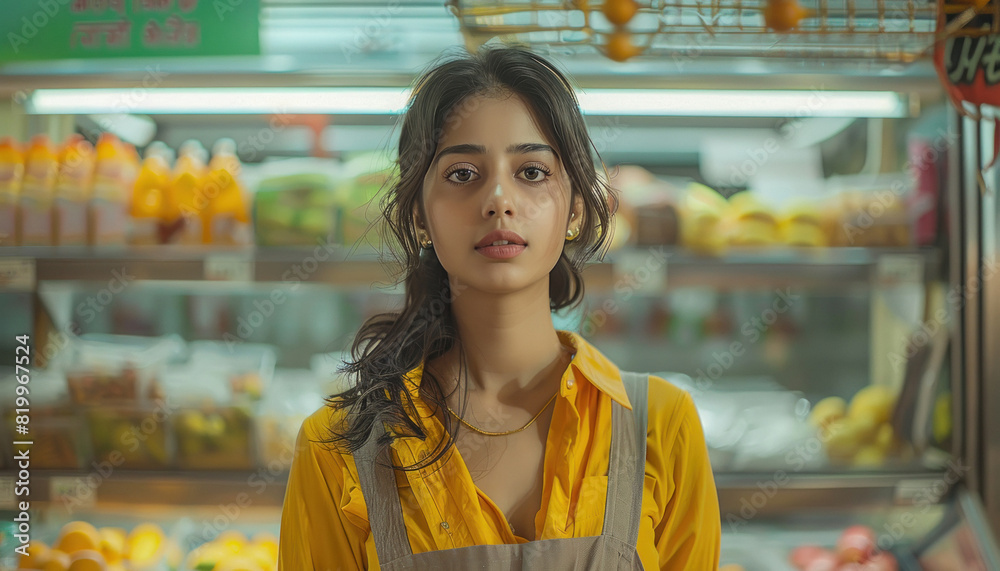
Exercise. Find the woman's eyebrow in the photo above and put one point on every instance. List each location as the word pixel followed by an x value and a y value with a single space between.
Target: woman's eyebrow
pixel 473 149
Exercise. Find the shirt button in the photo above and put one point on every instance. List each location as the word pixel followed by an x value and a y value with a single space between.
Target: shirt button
pixel 570 382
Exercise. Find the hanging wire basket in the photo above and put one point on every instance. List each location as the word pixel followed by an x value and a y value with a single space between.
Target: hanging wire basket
pixel 892 30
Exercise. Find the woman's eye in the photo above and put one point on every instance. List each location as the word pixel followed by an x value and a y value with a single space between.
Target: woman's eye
pixel 463 175
pixel 535 174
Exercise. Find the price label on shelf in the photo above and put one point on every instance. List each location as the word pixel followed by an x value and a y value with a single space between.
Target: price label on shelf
pixel 896 269
pixel 228 268
pixel 80 492
pixel 17 274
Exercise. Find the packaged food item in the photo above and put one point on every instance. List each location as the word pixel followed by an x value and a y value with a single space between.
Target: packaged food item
pixel 749 222
pixel 41 167
pixel 295 210
pixel 211 431
pixel 802 225
pixel 132 436
pixel 701 213
pixel 114 176
pixel 293 396
pixel 57 428
pixel 72 193
pixel 118 368
pixel 246 367
pixel 11 179
pixel 148 194
pixel 227 220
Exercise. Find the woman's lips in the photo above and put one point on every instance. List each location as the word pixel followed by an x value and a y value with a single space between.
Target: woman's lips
pixel 502 252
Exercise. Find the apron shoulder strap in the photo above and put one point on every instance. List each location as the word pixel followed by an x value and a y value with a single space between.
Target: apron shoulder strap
pixel 627 465
pixel 378 487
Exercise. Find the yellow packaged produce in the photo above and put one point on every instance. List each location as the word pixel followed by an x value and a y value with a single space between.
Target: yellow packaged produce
pixel 145 544
pixel 113 543
pixel 874 402
pixel 58 561
pixel 748 222
pixel 72 192
pixel 38 554
pixel 827 411
pixel 11 179
pixel 41 167
pixel 87 560
pixel 701 212
pixel 802 225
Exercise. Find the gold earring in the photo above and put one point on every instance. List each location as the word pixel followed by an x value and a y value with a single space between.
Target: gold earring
pixel 426 242
pixel 572 233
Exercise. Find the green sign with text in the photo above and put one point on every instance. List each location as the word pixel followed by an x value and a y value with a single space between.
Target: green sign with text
pixel 73 29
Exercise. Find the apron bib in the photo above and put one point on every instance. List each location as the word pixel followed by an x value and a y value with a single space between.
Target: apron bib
pixel 614 549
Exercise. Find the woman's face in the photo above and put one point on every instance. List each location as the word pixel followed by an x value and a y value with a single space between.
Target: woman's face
pixel 494 170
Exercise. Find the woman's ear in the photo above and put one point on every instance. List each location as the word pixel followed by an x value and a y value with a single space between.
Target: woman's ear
pixel 576 212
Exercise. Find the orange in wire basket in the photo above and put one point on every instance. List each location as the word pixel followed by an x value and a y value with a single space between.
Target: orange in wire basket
pixel 784 15
pixel 619 12
pixel 620 46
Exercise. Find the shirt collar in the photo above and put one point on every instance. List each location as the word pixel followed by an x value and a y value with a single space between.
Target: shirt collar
pixel 588 364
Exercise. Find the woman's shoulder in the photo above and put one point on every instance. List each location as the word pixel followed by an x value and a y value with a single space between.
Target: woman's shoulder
pixel 670 408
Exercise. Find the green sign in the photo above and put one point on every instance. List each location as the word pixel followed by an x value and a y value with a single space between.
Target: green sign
pixel 71 29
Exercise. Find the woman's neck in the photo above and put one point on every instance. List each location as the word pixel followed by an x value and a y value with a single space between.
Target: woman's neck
pixel 509 341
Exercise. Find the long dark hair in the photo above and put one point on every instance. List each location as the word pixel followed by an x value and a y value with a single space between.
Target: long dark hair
pixel 389 345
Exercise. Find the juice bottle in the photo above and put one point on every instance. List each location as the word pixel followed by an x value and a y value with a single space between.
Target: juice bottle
pixel 148 194
pixel 111 192
pixel 182 222
pixel 11 178
pixel 73 187
pixel 41 167
pixel 227 220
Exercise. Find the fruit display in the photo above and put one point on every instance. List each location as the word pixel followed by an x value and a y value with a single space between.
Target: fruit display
pixel 246 367
pixel 232 551
pixel 859 434
pixel 58 435
pixel 133 437
pixel 214 438
pixel 856 550
pixel 293 396
pixel 83 547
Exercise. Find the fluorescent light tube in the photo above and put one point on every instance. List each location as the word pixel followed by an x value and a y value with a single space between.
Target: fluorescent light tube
pixel 381 101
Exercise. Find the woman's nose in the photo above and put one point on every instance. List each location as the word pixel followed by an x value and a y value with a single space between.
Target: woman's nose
pixel 499 199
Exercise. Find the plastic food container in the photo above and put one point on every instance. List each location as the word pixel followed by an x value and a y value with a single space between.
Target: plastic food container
pixel 211 432
pixel 57 429
pixel 294 395
pixel 247 367
pixel 131 436
pixel 118 369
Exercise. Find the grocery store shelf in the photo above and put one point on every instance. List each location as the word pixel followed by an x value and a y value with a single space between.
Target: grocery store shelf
pixel 779 492
pixel 771 493
pixel 745 268
pixel 92 488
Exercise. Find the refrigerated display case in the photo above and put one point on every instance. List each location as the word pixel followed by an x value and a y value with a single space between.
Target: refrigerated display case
pixel 842 383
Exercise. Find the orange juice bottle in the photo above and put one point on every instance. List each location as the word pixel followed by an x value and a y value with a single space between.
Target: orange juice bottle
pixel 41 167
pixel 108 208
pixel 72 194
pixel 182 222
pixel 148 194
pixel 11 178
pixel 228 219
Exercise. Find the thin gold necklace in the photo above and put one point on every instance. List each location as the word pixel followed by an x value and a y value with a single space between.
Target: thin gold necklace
pixel 487 433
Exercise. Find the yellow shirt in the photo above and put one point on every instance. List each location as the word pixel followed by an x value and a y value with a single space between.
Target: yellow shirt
pixel 324 522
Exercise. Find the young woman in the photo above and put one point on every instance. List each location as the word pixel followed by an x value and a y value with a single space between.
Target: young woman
pixel 478 436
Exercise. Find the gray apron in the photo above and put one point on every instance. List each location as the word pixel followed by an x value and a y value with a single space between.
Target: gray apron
pixel 614 549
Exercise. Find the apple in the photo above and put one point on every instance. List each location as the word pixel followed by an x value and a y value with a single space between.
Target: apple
pixel 856 544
